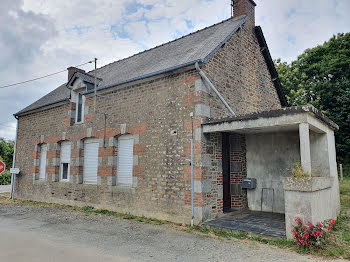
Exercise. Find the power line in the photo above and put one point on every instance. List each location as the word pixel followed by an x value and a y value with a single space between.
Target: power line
pixel 34 79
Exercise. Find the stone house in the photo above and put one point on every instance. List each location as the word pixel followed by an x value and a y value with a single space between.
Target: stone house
pixel 130 149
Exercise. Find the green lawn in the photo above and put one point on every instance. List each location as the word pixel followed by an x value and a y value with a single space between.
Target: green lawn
pixel 341 248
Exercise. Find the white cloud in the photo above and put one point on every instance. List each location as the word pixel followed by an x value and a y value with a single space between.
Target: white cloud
pixel 43 36
pixel 290 27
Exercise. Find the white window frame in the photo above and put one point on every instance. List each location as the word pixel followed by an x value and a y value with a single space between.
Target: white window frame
pixel 65 162
pixel 82 108
pixel 89 141
pixel 41 162
pixel 125 137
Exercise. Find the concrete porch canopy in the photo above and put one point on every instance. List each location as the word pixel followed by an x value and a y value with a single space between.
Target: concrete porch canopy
pixel 275 139
pixel 299 118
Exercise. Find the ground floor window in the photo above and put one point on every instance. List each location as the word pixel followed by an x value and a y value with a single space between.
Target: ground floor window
pixel 125 159
pixel 43 156
pixel 65 161
pixel 90 161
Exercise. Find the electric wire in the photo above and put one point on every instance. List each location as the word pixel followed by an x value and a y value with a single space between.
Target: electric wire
pixel 37 78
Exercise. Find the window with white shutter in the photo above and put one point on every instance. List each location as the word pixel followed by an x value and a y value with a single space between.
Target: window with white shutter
pixel 43 154
pixel 125 159
pixel 90 161
pixel 65 161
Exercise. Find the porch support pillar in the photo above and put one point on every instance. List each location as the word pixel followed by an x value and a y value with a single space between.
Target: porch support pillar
pixel 305 155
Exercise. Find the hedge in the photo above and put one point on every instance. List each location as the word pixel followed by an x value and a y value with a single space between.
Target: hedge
pixel 5 178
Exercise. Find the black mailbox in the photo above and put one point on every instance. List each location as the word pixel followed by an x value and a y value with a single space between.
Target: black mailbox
pixel 249 183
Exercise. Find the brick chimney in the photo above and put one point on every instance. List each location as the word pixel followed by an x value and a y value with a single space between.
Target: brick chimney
pixel 72 70
pixel 245 7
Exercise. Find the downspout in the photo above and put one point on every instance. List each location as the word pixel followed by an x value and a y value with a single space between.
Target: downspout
pixel 213 88
pixel 192 174
pixel 13 163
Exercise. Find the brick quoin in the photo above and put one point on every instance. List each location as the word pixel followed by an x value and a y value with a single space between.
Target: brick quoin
pixel 88 118
pixel 139 149
pixel 50 170
pixel 53 154
pixel 106 171
pixel 105 152
pixel 188 123
pixel 139 171
pixel 198 200
pixel 35 155
pixel 197 148
pixel 198 172
pixel 34 169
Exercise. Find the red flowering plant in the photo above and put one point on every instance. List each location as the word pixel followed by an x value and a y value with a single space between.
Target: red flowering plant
pixel 312 236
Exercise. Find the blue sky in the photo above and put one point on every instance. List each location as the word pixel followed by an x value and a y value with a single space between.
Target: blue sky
pixel 38 37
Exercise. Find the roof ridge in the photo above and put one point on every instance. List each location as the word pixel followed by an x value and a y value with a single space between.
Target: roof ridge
pixel 195 32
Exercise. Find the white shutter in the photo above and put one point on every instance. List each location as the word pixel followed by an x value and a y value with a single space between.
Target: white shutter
pixel 65 152
pixel 43 153
pixel 90 162
pixel 125 160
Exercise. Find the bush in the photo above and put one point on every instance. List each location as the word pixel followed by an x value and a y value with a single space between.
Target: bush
pixel 5 178
pixel 309 236
pixel 298 172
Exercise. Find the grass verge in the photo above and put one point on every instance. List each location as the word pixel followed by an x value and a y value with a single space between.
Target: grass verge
pixel 338 249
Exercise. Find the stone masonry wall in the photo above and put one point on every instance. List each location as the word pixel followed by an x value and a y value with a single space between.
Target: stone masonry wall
pixel 239 72
pixel 156 113
pixel 238 171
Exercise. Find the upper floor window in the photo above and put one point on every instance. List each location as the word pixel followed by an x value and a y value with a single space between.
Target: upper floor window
pixel 79 108
pixel 65 161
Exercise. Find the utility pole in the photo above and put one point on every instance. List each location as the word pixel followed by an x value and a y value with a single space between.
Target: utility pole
pixel 95 93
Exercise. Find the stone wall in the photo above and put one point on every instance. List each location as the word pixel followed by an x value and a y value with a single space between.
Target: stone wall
pixel 155 112
pixel 214 174
pixel 239 72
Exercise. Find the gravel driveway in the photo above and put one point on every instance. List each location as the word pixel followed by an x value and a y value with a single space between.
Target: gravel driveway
pixel 52 234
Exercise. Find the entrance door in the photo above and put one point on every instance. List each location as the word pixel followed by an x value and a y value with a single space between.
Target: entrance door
pixel 226 171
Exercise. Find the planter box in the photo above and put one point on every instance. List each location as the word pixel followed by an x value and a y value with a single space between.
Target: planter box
pixel 309 198
pixel 306 184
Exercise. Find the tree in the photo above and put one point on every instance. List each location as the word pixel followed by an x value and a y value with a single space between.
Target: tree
pixel 321 77
pixel 6 152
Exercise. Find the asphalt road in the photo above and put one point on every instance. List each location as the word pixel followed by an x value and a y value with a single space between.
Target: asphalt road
pixel 30 233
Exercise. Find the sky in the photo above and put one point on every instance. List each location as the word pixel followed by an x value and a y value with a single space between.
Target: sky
pixel 39 37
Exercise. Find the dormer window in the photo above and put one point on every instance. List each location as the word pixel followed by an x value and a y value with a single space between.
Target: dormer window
pixel 79 108
pixel 80 83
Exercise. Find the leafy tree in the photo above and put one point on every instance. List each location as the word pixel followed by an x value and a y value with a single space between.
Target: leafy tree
pixel 6 152
pixel 321 77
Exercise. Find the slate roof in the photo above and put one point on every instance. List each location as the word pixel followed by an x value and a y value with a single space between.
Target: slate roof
pixel 84 77
pixel 195 47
